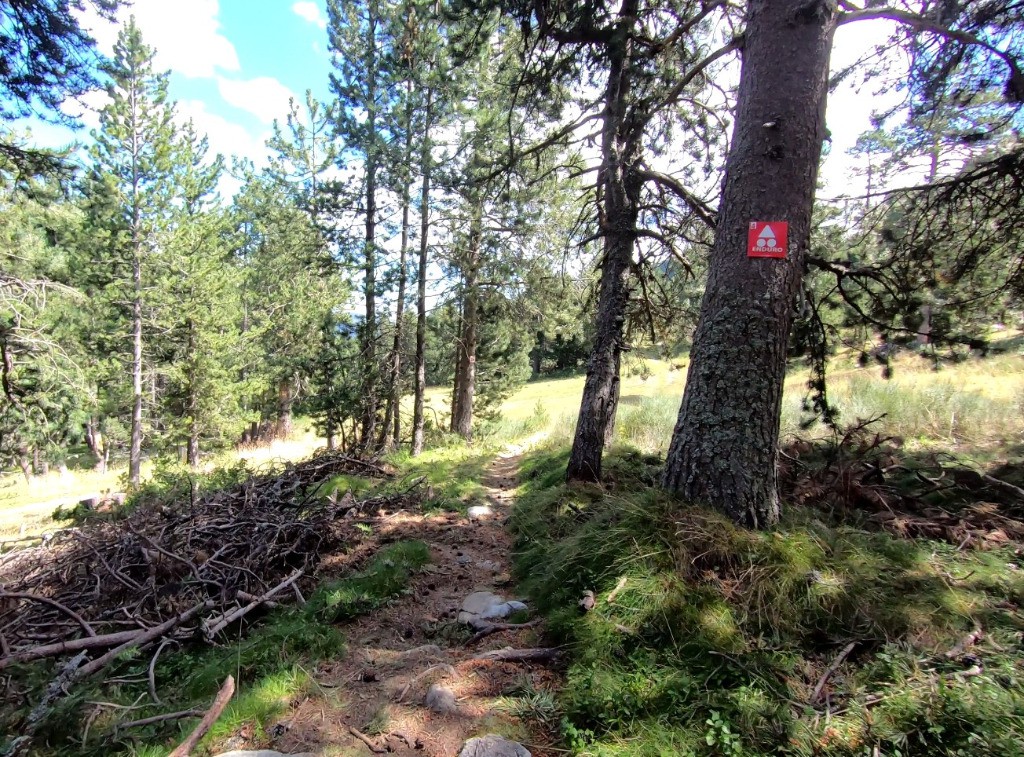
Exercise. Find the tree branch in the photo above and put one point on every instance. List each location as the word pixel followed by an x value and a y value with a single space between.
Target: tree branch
pixel 925 24
pixel 701 209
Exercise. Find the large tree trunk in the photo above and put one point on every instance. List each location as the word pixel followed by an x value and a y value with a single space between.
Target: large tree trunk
pixel 725 445
pixel 369 345
pixel 620 188
pixel 465 366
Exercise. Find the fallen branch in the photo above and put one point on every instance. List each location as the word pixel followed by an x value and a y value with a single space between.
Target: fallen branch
pixel 152 672
pixel 449 670
pixel 52 603
pixel 221 701
pixel 141 639
pixel 64 647
pixel 615 592
pixel 496 627
pixel 363 738
pixel 519 655
pixel 1004 485
pixel 967 642
pixel 268 603
pixel 213 627
pixel 159 719
pixel 37 716
pixel 843 654
pixel 401 735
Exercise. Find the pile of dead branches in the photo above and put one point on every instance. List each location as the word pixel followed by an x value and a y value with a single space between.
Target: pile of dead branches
pixel 925 495
pixel 191 569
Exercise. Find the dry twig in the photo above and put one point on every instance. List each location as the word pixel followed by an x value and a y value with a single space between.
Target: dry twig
pixel 221 701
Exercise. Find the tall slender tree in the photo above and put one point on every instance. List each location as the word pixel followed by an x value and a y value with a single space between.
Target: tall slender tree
pixel 361 82
pixel 425 64
pixel 132 171
pixel 649 62
pixel 199 306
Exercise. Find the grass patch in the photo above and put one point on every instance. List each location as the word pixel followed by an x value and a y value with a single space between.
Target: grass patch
pixel 719 635
pixel 384 579
pixel 453 473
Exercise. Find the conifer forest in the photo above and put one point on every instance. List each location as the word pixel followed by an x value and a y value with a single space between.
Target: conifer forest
pixel 555 377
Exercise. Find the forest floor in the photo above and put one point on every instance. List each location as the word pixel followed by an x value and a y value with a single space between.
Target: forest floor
pixel 393 554
pixel 395 655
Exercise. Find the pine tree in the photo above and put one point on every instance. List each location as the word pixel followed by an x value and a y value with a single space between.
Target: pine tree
pixel 48 58
pixel 199 306
pixel 305 151
pixel 290 286
pixel 363 85
pixel 45 394
pixel 130 188
pixel 724 448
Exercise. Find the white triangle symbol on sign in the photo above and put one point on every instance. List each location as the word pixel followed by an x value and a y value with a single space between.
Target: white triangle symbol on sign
pixel 766 238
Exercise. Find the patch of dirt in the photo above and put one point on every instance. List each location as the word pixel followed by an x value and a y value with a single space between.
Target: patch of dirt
pixel 396 653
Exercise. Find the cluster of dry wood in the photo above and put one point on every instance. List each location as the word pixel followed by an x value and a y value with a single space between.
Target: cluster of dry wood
pixel 185 571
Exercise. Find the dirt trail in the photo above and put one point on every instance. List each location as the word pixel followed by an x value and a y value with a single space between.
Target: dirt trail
pixel 396 653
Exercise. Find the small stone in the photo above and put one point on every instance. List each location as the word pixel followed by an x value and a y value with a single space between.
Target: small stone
pixel 493 746
pixel 463 559
pixel 489 565
pixel 483 605
pixel 480 511
pixel 440 700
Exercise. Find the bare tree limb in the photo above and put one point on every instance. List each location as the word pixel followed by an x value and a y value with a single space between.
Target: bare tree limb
pixel 925 24
pixel 53 603
pixel 223 697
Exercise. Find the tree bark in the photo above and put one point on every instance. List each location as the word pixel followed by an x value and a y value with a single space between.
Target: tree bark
pixel 620 188
pixel 135 447
pixel 192 451
pixel 369 345
pixel 25 463
pixel 426 163
pixel 393 416
pixel 538 356
pixel 135 450
pixel 724 448
pixel 421 291
pixel 94 440
pixel 285 401
pixel 465 367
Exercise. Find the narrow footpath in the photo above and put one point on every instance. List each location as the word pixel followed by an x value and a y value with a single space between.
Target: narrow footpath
pixel 412 682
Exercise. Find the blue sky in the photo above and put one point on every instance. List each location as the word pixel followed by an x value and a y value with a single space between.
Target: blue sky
pixel 235 63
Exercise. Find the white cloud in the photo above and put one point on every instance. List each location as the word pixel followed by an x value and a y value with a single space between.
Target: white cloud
pixel 86 108
pixel 311 12
pixel 225 137
pixel 264 97
pixel 185 34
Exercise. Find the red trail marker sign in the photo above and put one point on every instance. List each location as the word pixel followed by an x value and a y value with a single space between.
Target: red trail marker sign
pixel 767 239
